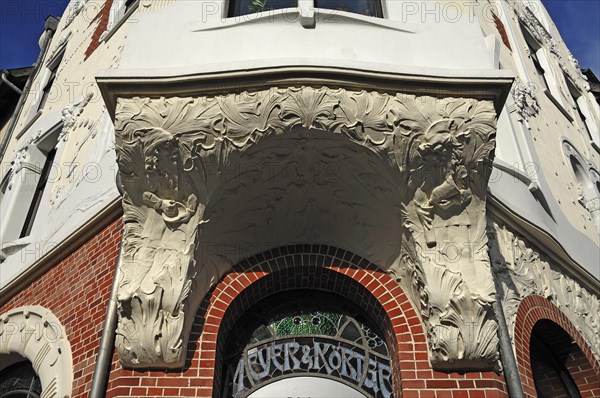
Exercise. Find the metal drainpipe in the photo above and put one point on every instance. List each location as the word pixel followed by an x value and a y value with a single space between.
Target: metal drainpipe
pixel 107 341
pixel 49 28
pixel 10 84
pixel 511 372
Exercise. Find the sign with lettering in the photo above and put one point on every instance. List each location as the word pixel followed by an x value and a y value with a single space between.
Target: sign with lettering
pixel 365 370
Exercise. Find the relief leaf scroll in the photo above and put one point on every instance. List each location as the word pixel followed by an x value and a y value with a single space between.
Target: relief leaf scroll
pixel 440 148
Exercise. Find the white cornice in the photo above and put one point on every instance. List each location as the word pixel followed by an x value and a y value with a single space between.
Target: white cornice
pixel 481 84
pixel 544 241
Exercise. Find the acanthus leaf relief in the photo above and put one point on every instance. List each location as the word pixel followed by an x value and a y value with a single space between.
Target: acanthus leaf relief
pixel 174 157
pixel 522 271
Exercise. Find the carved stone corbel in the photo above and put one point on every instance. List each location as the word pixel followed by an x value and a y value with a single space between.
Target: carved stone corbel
pixel 440 148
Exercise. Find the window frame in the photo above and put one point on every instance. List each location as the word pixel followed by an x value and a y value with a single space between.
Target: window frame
pixel 582 110
pixel 20 205
pixel 120 12
pixel 40 189
pixel 47 76
pixel 568 383
pixel 233 8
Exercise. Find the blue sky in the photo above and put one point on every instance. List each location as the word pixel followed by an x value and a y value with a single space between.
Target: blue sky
pixel 578 22
pixel 21 22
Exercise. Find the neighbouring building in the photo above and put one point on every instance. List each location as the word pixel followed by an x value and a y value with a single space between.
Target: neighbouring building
pixel 308 198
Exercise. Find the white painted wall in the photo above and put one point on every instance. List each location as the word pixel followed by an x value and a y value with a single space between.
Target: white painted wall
pixel 533 148
pixel 170 38
pixel 193 36
pixel 82 181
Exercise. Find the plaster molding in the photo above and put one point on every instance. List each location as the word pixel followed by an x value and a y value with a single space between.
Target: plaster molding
pixel 588 196
pixel 70 114
pixel 162 145
pixel 522 270
pixel 577 67
pixel 36 334
pixel 525 100
pixel 21 161
pixel 21 157
pixel 74 10
pixel 59 48
pixel 579 79
pixel 535 27
pixel 574 62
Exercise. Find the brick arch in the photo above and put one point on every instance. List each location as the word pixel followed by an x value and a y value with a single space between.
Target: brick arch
pixel 314 267
pixel 534 309
pixel 414 379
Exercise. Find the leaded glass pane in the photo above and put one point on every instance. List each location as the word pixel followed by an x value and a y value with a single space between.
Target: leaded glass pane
pixel 351 333
pixel 304 332
pixel 321 323
pixel 20 380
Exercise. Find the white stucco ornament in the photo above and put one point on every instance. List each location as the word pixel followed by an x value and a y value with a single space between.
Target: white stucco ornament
pixel 538 30
pixel 577 67
pixel 74 9
pixel 36 334
pixel 180 159
pixel 21 157
pixel 523 94
pixel 522 270
pixel 70 114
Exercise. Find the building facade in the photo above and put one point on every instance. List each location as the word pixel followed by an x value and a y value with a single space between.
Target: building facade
pixel 321 198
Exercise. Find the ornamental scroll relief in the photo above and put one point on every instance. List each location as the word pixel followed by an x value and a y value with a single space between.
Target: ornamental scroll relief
pixel 440 148
pixel 35 333
pixel 522 271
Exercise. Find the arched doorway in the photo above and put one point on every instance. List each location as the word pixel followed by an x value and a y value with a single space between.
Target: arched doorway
pixel 554 359
pixel 300 339
pixel 554 355
pixel 367 294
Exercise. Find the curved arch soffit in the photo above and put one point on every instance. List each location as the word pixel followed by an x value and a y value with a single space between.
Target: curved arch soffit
pixel 35 333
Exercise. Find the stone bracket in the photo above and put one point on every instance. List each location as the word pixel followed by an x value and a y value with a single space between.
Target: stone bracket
pixel 441 149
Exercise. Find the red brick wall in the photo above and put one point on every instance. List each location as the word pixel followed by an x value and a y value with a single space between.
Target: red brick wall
pixel 77 291
pixel 102 19
pixel 502 31
pixel 584 369
pixel 321 267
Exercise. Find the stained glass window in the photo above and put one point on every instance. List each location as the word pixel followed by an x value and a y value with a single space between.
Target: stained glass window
pixel 304 333
pixel 20 381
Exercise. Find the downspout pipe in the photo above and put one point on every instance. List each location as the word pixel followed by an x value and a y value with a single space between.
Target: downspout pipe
pixel 49 28
pixel 10 84
pixel 509 362
pixel 107 341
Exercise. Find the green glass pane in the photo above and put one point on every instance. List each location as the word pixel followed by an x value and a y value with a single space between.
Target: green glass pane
pixel 260 334
pixel 321 323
